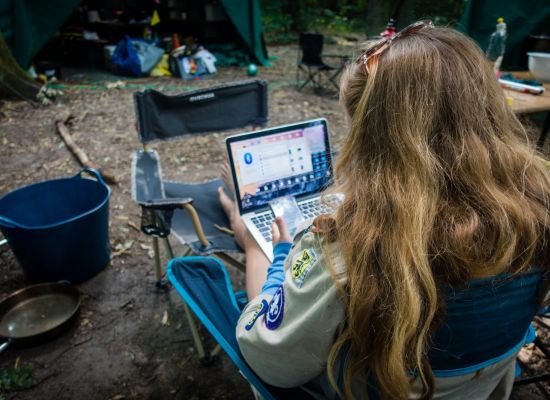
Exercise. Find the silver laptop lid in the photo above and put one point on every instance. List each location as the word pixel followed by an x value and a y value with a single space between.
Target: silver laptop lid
pixel 292 159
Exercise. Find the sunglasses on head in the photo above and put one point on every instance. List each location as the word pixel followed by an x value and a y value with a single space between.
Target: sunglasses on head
pixel 382 45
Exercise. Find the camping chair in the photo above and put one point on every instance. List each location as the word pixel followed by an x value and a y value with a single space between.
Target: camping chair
pixel 204 285
pixel 311 67
pixel 189 211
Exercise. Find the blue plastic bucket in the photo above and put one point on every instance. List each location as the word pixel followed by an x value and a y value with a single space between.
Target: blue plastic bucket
pixel 59 229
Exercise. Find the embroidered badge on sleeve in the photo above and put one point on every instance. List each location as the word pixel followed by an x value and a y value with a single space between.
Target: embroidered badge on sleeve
pixel 302 265
pixel 274 315
pixel 260 310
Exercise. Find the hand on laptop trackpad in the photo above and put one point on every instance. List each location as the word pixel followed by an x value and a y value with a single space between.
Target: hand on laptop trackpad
pixel 287 208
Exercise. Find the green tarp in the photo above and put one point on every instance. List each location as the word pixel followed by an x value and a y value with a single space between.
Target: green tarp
pixel 28 24
pixel 522 17
pixel 247 19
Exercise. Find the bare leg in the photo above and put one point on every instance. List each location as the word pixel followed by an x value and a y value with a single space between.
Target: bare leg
pixel 226 176
pixel 256 261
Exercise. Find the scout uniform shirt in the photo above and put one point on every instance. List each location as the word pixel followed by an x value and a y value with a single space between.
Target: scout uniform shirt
pixel 286 333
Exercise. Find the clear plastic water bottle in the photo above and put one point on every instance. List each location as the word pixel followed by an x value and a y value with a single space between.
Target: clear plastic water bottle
pixel 497 45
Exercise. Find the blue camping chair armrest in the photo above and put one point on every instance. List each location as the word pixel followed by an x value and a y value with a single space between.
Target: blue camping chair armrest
pixel 167 204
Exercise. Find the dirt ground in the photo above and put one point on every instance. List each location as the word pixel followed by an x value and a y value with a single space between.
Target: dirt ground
pixel 131 340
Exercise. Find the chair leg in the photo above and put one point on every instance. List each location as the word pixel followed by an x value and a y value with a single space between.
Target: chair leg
pixel 168 247
pixel 194 332
pixel 216 350
pixel 206 358
pixel 190 320
pixel 309 78
pixel 332 79
pixel 161 283
pixel 316 78
pixel 230 260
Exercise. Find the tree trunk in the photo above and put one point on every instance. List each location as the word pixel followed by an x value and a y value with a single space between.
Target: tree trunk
pixel 13 80
pixel 378 14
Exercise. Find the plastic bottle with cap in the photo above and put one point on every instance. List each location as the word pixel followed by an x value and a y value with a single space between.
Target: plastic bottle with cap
pixel 497 45
pixel 390 29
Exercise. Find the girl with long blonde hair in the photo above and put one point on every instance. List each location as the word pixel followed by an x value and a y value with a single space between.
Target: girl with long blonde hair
pixel 424 280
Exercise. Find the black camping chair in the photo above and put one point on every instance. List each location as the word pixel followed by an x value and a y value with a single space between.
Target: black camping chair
pixel 191 212
pixel 311 67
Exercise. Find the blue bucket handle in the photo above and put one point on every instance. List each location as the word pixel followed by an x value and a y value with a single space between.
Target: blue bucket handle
pixel 92 171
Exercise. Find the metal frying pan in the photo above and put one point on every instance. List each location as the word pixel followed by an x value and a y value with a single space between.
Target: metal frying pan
pixel 37 313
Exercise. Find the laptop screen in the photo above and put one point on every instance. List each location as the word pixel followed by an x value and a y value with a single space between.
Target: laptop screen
pixel 293 159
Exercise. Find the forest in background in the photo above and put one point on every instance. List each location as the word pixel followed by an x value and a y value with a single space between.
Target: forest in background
pixel 284 19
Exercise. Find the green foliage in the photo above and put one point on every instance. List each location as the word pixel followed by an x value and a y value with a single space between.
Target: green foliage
pixel 277 23
pixel 442 12
pixel 17 378
pixel 327 21
pixel 283 19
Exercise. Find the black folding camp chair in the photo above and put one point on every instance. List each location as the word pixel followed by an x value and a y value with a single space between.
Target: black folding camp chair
pixel 191 212
pixel 312 69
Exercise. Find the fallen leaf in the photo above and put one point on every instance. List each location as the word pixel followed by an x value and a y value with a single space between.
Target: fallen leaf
pixel 133 225
pixel 86 322
pixel 165 321
pixel 116 85
pixel 123 228
pixel 121 248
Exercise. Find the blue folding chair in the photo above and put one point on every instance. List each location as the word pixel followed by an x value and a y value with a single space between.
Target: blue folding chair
pixel 204 285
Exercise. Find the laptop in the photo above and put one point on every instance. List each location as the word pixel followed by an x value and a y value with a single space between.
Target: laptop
pixel 285 160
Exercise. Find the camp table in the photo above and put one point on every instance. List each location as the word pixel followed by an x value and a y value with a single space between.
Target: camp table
pixel 525 103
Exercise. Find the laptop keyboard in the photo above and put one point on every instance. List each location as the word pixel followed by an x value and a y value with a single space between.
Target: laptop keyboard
pixel 310 209
pixel 263 223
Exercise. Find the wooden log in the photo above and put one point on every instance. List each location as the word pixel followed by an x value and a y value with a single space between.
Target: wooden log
pixel 80 155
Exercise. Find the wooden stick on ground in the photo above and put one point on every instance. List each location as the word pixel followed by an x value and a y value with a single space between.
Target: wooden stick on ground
pixel 80 154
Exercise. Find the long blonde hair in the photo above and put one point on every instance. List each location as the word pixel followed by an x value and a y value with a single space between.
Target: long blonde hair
pixel 440 186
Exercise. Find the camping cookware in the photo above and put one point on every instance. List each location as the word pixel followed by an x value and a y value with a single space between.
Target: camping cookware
pixel 539 66
pixel 58 229
pixel 37 313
